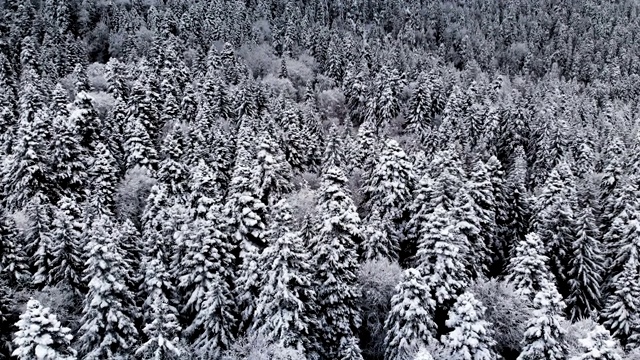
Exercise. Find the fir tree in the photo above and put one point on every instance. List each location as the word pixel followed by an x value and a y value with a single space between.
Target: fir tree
pixel 349 349
pixel 544 338
pixel 527 269
pixel 40 335
pixel 13 263
pixel 409 324
pixel 108 328
pixel 585 268
pixel 620 312
pixel 68 170
pixel 598 345
pixel 334 261
pixel 272 173
pixel 38 242
pixel 284 307
pixel 379 240
pixel 171 169
pixel 66 264
pixel 471 337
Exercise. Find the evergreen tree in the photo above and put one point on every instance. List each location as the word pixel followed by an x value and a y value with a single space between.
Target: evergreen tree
pixel 171 170
pixel 68 170
pixel 38 242
pixel 13 263
pixel 40 335
pixel 87 121
pixel 391 183
pixel 349 349
pixel 419 116
pixel 465 217
pixel 161 328
pixel 598 345
pixel 471 337
pixel 409 324
pixel 379 239
pixel 108 328
pixel 585 268
pixel 620 312
pixel 527 269
pixel 284 307
pixel 103 176
pixel 66 263
pixel 214 323
pixel 272 172
pixel 138 147
pixel 440 258
pixel 545 338
pixel 334 261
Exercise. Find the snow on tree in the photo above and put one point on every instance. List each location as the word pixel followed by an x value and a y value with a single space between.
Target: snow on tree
pixel 161 328
pixel 423 354
pixel 38 242
pixel 214 323
pixel 620 313
pixel 171 169
pixel 419 117
pixel 527 269
pixel 40 335
pixel 466 221
pixel 481 190
pixel 284 308
pixel 108 329
pixel 103 178
pixel 349 349
pixel 585 268
pixel 440 258
pixel 66 263
pixel 409 325
pixel 27 171
pixel 391 183
pixel 272 173
pixel 554 220
pixel 544 338
pixel 138 146
pixel 599 345
pixel 379 240
pixel 366 149
pixel 334 261
pixel 13 263
pixel 86 118
pixel 472 336
pixel 334 152
pixel 68 168
pixel 207 257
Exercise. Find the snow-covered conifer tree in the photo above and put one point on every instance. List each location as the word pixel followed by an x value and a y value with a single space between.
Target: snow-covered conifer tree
pixel 40 335
pixel 527 269
pixel 599 345
pixel 471 337
pixel 409 324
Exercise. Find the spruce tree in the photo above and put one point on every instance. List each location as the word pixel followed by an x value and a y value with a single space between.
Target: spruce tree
pixel 409 325
pixel 66 263
pixel 68 170
pixel 545 338
pixel 585 268
pixel 272 173
pixel 171 170
pixel 471 337
pixel 13 262
pixel 599 345
pixel 379 239
pixel 38 242
pixel 285 305
pixel 527 269
pixel 334 261
pixel 40 335
pixel 108 328
pixel 620 312
pixel 465 216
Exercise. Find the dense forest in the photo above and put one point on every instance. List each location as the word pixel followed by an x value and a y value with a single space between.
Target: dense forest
pixel 319 180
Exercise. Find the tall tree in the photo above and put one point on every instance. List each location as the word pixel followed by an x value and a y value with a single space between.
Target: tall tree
pixel 409 324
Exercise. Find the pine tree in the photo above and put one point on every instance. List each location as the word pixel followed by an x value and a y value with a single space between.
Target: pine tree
pixel 585 268
pixel 419 117
pixel 465 216
pixel 598 345
pixel 68 170
pixel 171 170
pixel 440 258
pixel 349 349
pixel 38 242
pixel 66 263
pixel 86 118
pixel 13 263
pixel 103 176
pixel 207 257
pixel 334 261
pixel 161 328
pixel 379 239
pixel 272 173
pixel 214 323
pixel 527 269
pixel 108 328
pixel 138 146
pixel 391 183
pixel 471 337
pixel 409 324
pixel 40 335
pixel 544 338
pixel 284 307
pixel 620 312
